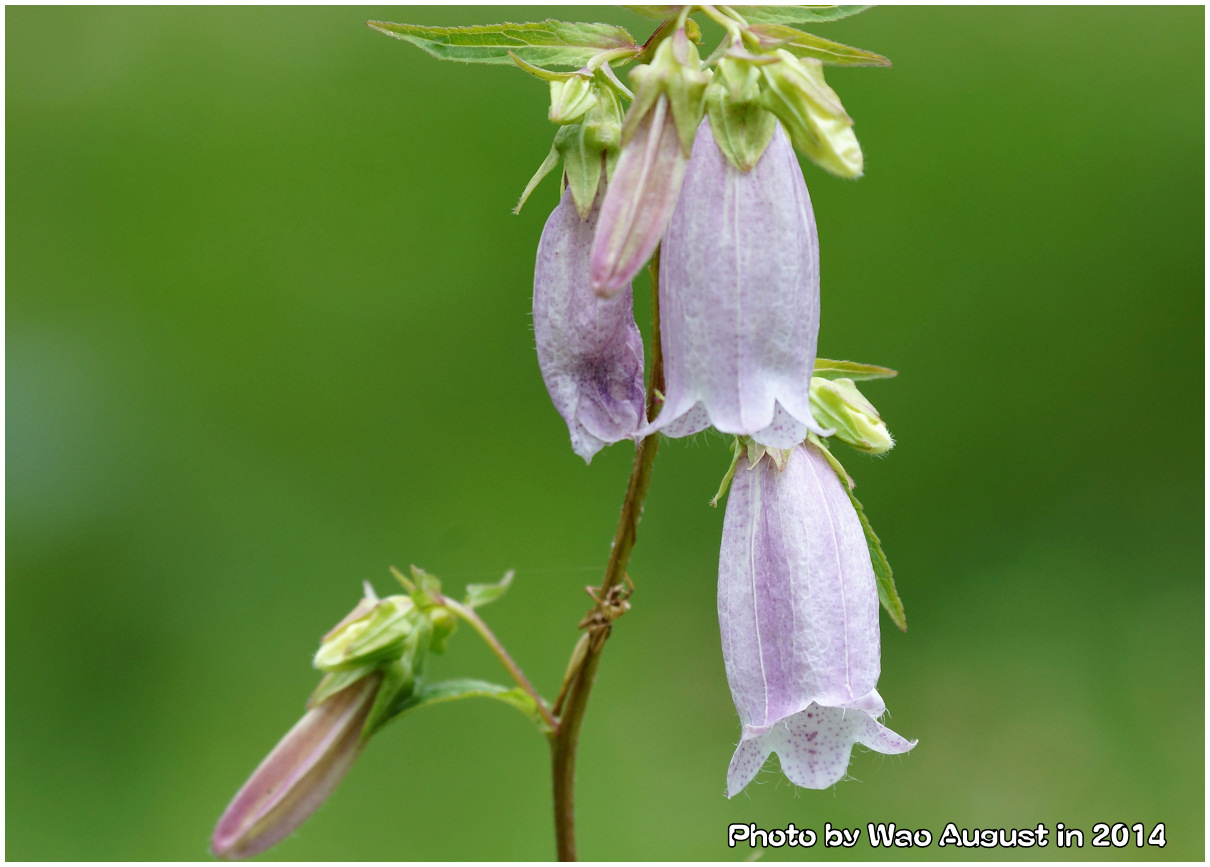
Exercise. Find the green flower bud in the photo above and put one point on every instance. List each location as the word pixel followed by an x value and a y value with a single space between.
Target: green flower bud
pixel 838 404
pixel 443 622
pixel 589 139
pixel 820 128
pixel 372 633
pixel 571 98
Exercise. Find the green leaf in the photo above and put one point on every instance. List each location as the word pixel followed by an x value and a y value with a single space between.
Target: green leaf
pixel 481 594
pixel 455 690
pixel 796 14
pixel 825 368
pixel 887 594
pixel 544 43
pixel 802 44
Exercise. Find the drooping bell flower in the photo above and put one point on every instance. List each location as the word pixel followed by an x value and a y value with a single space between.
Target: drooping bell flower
pixel 798 612
pixel 589 349
pixel 739 298
pixel 299 775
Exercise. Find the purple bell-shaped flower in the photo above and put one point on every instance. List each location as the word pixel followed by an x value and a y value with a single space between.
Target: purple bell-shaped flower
pixel 798 611
pixel 739 298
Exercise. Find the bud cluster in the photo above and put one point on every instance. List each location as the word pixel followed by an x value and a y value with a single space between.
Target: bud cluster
pixel 371 660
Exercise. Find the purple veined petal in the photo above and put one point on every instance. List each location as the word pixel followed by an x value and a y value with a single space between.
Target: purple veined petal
pixel 590 351
pixel 639 201
pixel 798 614
pixel 739 298
pixel 298 775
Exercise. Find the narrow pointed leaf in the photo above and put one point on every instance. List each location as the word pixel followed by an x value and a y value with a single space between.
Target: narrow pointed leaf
pixel 802 44
pixel 826 368
pixel 796 14
pixel 542 43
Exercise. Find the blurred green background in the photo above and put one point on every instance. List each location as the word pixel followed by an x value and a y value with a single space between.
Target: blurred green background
pixel 268 333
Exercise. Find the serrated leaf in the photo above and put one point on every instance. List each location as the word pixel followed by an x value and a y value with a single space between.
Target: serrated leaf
pixel 481 594
pixel 542 43
pixel 796 14
pixel 802 44
pixel 455 690
pixel 826 368
pixel 887 594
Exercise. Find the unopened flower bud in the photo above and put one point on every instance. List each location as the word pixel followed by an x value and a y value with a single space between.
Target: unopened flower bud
pixel 639 201
pixel 571 98
pixel 796 92
pixel 838 404
pixel 299 775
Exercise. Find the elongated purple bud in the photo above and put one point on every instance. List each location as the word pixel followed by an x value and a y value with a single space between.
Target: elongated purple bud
pixel 299 775
pixel 639 201
pixel 590 351
pixel 739 299
pixel 798 611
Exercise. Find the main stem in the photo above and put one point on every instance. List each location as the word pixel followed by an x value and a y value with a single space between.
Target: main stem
pixel 566 736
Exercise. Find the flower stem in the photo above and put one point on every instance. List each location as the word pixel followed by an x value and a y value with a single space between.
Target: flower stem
pixel 468 614
pixel 610 603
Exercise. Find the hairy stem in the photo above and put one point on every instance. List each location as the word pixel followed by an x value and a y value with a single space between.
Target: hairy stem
pixel 580 678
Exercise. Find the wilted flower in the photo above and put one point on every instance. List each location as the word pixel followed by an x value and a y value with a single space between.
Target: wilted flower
pixel 798 611
pixel 739 298
pixel 299 775
pixel 589 349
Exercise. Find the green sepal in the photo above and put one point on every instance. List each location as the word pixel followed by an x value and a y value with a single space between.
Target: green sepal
pixel 427 592
pixel 826 368
pixel 756 451
pixel 796 14
pixel 582 166
pixel 737 451
pixel 675 73
pixel 482 594
pixel 542 43
pixel 376 636
pixel 398 685
pixel 335 681
pixel 454 690
pixel 887 594
pixel 802 44
pixel 548 165
pixel 742 127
